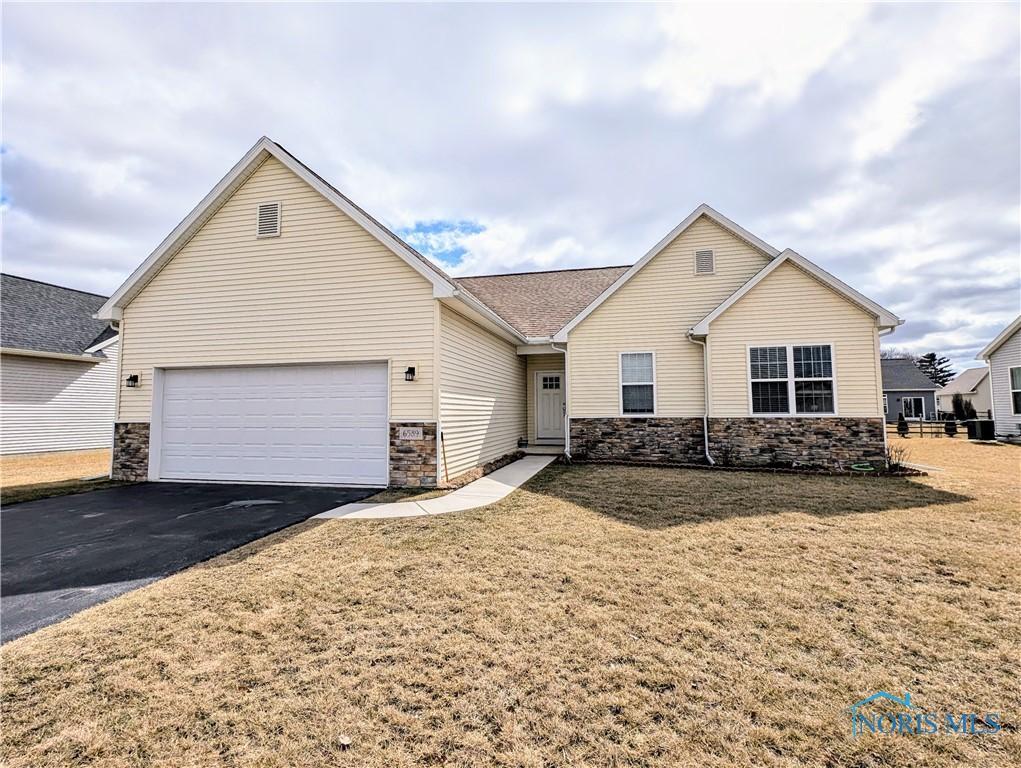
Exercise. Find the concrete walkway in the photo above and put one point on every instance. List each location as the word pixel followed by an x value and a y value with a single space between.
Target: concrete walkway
pixel 479 493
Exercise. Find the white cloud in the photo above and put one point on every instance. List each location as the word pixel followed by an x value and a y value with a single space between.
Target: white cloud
pixel 768 51
pixel 930 62
pixel 879 141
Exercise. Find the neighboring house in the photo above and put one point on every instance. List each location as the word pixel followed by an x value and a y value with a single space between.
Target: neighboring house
pixel 973 385
pixel 907 390
pixel 1003 356
pixel 58 369
pixel 281 334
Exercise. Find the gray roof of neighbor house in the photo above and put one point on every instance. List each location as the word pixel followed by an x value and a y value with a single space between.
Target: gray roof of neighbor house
pixel 902 373
pixel 48 318
pixel 541 303
pixel 966 381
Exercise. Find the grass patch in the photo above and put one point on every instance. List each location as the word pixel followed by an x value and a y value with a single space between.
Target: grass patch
pixel 37 468
pixel 598 616
pixel 391 495
pixel 21 493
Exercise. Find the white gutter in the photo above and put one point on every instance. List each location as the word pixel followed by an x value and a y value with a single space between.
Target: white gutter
pixel 567 415
pixel 705 387
pixel 51 355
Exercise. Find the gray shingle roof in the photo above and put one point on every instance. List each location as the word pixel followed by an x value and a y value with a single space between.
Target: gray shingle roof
pixel 966 381
pixel 48 318
pixel 541 303
pixel 902 373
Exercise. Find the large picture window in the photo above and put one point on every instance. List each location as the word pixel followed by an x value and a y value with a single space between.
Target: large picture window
pixel 794 379
pixel 637 383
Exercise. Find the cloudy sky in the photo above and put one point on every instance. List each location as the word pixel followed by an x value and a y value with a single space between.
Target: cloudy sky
pixel 881 141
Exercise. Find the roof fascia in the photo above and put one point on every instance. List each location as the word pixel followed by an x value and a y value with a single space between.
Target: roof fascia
pixel 50 355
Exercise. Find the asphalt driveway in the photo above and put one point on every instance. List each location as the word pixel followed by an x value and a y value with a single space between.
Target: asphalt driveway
pixel 62 555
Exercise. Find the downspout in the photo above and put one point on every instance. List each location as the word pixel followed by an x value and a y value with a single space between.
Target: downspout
pixel 567 415
pixel 705 388
pixel 886 440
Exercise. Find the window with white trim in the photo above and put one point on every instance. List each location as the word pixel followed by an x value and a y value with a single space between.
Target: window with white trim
pixel 1015 390
pixel 798 375
pixel 637 383
pixel 886 404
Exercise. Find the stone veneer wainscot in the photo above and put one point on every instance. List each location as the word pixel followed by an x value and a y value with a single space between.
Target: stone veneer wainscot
pixel 413 462
pixel 131 451
pixel 644 439
pixel 827 442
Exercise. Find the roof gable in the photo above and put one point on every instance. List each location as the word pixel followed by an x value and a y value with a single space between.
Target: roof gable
pixel 901 373
pixel 884 318
pixel 966 381
pixel 716 217
pixel 443 286
pixel 41 317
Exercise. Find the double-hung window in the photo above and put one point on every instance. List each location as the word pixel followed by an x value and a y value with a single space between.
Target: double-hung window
pixel 1015 390
pixel 792 379
pixel 637 383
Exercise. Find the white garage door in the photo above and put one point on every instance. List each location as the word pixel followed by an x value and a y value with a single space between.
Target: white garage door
pixel 280 424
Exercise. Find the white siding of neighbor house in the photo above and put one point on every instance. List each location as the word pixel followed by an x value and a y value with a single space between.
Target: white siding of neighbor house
pixel 790 307
pixel 981 400
pixel 56 405
pixel 324 291
pixel 482 395
pixel 1000 362
pixel 651 313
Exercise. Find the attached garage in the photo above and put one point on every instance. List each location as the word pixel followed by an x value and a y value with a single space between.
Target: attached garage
pixel 321 424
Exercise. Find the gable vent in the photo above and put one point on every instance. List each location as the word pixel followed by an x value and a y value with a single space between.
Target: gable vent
pixel 705 263
pixel 269 220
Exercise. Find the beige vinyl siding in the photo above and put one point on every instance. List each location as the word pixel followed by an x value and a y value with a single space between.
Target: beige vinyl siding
pixel 1000 362
pixel 325 290
pixel 790 307
pixel 482 394
pixel 537 363
pixel 651 313
pixel 56 405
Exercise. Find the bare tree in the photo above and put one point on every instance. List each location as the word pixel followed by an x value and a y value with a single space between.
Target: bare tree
pixel 895 353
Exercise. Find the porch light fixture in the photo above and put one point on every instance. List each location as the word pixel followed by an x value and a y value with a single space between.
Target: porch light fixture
pixel 131 381
pixel 409 374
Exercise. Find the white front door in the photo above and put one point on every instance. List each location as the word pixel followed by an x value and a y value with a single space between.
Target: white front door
pixel 549 405
pixel 323 424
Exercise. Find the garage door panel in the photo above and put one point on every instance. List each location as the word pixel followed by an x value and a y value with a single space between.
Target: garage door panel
pixel 302 424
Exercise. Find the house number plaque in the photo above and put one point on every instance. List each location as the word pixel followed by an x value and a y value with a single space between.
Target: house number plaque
pixel 409 433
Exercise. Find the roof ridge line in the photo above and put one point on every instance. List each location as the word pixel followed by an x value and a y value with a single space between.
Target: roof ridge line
pixel 545 271
pixel 53 285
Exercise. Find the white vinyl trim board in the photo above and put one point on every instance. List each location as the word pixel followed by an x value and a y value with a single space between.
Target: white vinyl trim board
pixel 315 424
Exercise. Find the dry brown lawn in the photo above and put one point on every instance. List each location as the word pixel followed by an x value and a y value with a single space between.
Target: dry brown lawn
pixel 600 616
pixel 32 468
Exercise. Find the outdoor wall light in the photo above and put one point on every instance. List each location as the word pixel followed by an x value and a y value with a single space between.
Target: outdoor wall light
pixel 131 381
pixel 409 374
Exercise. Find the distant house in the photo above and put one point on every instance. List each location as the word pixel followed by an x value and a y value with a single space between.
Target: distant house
pixel 1003 357
pixel 58 369
pixel 907 390
pixel 973 385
